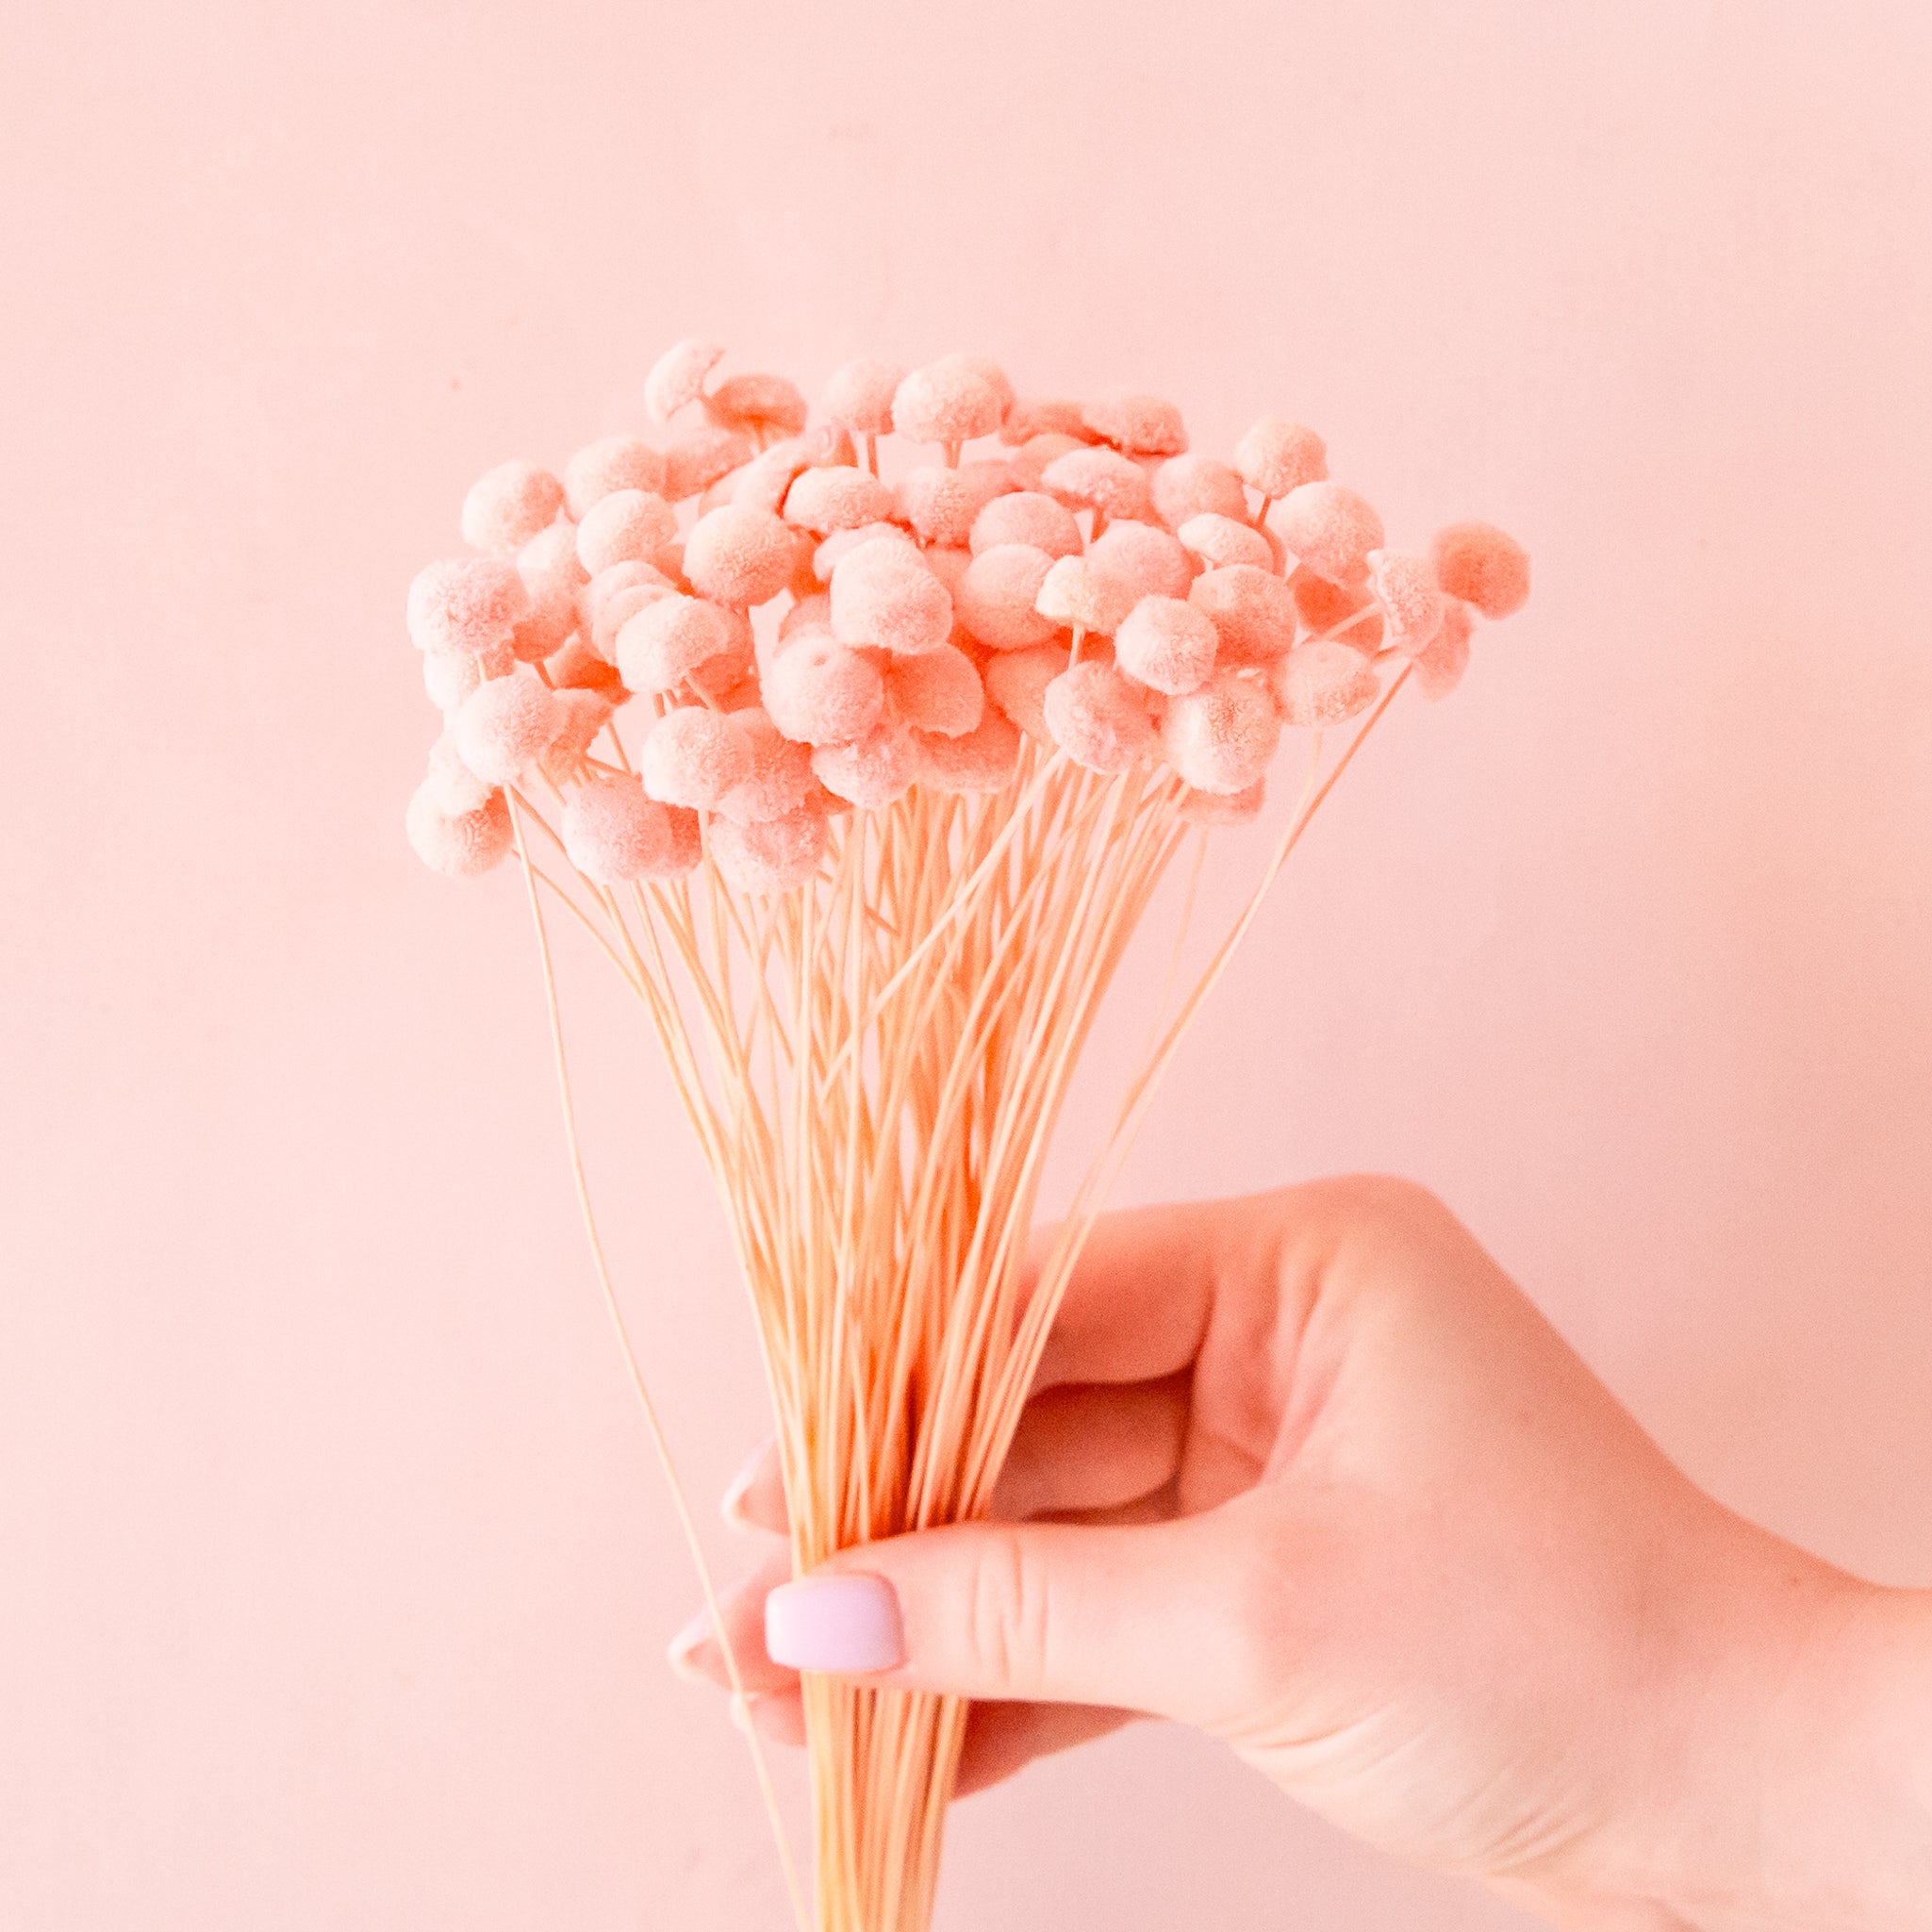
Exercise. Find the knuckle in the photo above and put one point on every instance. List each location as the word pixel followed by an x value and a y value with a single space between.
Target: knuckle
pixel 1010 1611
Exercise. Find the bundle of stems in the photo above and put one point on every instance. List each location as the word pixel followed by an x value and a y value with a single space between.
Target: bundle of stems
pixel 873 1066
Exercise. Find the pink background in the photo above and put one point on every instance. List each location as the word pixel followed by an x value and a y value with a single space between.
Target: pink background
pixel 333 1578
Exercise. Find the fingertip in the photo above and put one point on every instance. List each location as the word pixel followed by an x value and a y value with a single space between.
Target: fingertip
pixel 754 1499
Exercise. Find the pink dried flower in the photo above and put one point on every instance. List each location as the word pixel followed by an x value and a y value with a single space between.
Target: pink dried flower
pixel 1440 664
pixel 700 457
pixel 941 504
pixel 1196 485
pixel 1099 480
pixel 763 405
pixel 1322 683
pixel 461 843
pixel 1078 593
pixel 995 597
pixel 781 776
pixel 1142 425
pixel 612 833
pixel 1331 530
pixel 1016 682
pixel 1405 585
pixel 771 855
pixel 982 760
pixel 947 401
pixel 505 726
pixel 884 597
pixel 995 379
pixel 1220 738
pixel 626 526
pixel 1324 606
pixel 1098 719
pixel 619 462
pixel 873 772
pixel 576 666
pixel 1219 540
pixel 820 692
pixel 1034 416
pixel 1233 808
pixel 507 506
pixel 450 676
pixel 668 638
pixel 693 756
pixel 808 612
pixel 1167 644
pixel 466 604
pixel 859 394
pixel 677 378
pixel 738 556
pixel 1150 560
pixel 1253 612
pixel 581 715
pixel 613 596
pixel 841 543
pixel 1277 456
pixel 937 691
pixel 1029 462
pixel 837 497
pixel 1027 516
pixel 1482 565
pixel 453 787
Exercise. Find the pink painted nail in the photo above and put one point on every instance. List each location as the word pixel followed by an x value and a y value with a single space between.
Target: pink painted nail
pixel 846 1624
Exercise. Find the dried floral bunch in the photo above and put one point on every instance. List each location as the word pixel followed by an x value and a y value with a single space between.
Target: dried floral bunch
pixel 910 747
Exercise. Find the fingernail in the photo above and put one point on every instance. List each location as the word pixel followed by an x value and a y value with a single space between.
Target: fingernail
pixel 684 1646
pixel 843 1624
pixel 734 1504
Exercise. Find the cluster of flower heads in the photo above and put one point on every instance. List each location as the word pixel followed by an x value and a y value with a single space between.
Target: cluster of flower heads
pixel 1088 582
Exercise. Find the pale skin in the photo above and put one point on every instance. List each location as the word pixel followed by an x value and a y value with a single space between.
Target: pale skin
pixel 1308 1472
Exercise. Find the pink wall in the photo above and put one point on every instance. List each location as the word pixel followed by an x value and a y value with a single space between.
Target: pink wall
pixel 334 1578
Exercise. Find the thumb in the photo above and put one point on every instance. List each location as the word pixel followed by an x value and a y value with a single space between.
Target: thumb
pixel 1145 1617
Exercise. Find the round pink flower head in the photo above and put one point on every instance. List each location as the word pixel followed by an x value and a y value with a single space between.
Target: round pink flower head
pixel 458 844
pixel 941 504
pixel 1166 643
pixel 619 462
pixel 859 394
pixel 1440 664
pixel 1325 607
pixel 937 691
pixel 613 596
pixel 677 378
pixel 581 715
pixel 772 855
pixel 1233 808
pixel 1152 561
pixel 1142 425
pixel 820 692
pixel 686 844
pixel 1277 456
pixel 466 604
pixel 1099 480
pixel 577 668
pixel 761 405
pixel 693 756
pixel 626 526
pixel 841 543
pixel 738 556
pixel 996 594
pixel 450 676
pixel 812 613
pixel 1220 738
pixel 883 597
pixel 1078 593
pixel 1331 530
pixel 873 772
pixel 702 456
pixel 1219 541
pixel 1482 565
pixel 1196 485
pixel 1036 416
pixel 507 506
pixel 1029 462
pixel 670 637
pixel 452 786
pixel 947 402
pixel 781 777
pixel 764 482
pixel 837 497
pixel 1405 585
pixel 1253 612
pixel 1098 719
pixel 1027 516
pixel 981 760
pixel 612 833
pixel 1324 684
pixel 995 379
pixel 550 559
pixel 505 726
pixel 1016 682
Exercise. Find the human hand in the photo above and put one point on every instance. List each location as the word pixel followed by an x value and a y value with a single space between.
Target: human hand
pixel 1308 1472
